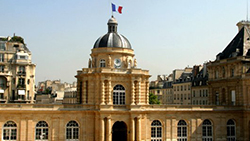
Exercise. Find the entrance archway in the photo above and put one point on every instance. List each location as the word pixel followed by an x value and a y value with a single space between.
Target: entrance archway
pixel 119 131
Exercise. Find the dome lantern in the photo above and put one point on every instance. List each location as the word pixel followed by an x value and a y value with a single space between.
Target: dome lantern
pixel 112 38
pixel 112 25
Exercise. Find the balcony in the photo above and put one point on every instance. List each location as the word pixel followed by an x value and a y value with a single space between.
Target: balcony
pixel 21 73
pixel 21 86
pixel 22 99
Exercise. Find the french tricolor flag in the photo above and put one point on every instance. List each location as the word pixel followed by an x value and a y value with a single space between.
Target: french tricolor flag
pixel 114 8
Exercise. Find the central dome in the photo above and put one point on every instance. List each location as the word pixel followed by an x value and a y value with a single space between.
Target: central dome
pixel 112 38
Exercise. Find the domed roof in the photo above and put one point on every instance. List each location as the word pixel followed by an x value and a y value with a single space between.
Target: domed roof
pixel 112 38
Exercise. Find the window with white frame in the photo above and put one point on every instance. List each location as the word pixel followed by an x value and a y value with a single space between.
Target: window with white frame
pixel 72 131
pixel 102 63
pixel 119 95
pixel 207 130
pixel 10 131
pixel 42 131
pixel 231 132
pixel 156 131
pixel 182 131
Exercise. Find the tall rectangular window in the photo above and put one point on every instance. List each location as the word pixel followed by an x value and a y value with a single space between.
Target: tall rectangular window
pixel 1 57
pixel 232 72
pixel 1 68
pixel 233 97
pixel 2 46
pixel 21 82
pixel 217 98
pixel 21 68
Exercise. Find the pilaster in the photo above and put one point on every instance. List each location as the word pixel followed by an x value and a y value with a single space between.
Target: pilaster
pixel 102 93
pixel 132 127
pixel 132 93
pixel 108 129
pixel 138 128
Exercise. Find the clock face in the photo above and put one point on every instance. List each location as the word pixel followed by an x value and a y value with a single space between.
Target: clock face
pixel 117 63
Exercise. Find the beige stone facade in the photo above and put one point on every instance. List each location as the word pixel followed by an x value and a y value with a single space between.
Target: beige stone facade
pixel 182 93
pixel 98 125
pixel 112 105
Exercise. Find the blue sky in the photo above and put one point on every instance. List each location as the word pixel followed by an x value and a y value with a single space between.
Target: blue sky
pixel 164 34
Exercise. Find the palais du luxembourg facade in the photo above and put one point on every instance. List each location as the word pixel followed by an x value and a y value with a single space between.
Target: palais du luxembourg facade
pixel 112 101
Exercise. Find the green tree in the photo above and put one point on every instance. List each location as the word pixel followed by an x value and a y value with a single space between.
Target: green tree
pixel 17 39
pixel 153 99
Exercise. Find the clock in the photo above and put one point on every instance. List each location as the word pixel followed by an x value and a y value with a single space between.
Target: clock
pixel 117 63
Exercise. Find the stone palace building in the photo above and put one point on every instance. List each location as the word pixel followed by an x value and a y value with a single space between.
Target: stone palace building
pixel 112 101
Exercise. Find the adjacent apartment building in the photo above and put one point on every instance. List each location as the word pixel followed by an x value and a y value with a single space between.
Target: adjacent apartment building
pixel 17 72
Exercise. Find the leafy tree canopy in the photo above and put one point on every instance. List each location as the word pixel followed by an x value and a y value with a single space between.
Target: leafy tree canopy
pixel 17 39
pixel 153 99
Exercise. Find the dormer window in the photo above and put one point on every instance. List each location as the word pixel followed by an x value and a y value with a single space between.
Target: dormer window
pixel 102 63
pixel 23 57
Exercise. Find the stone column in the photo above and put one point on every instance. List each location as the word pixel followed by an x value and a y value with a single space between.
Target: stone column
pixel 132 93
pixel 102 93
pixel 102 129
pixel 83 91
pixel 138 128
pixel 132 127
pixel 109 92
pixel 138 96
pixel 147 93
pixel 108 129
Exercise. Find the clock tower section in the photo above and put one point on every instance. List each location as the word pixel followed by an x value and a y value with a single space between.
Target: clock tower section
pixel 112 77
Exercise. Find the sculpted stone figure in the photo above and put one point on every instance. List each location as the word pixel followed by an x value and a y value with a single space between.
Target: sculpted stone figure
pixel 93 62
pixel 135 63
pixel 89 63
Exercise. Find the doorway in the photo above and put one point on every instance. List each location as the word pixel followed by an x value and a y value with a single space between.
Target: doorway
pixel 119 131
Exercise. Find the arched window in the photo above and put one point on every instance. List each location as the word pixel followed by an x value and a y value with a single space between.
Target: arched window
pixel 42 131
pixel 9 131
pixel 119 95
pixel 207 130
pixel 156 131
pixel 72 131
pixel 102 63
pixel 231 132
pixel 182 131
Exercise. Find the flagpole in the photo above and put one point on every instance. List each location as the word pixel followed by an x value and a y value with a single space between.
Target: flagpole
pixel 247 10
pixel 111 9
